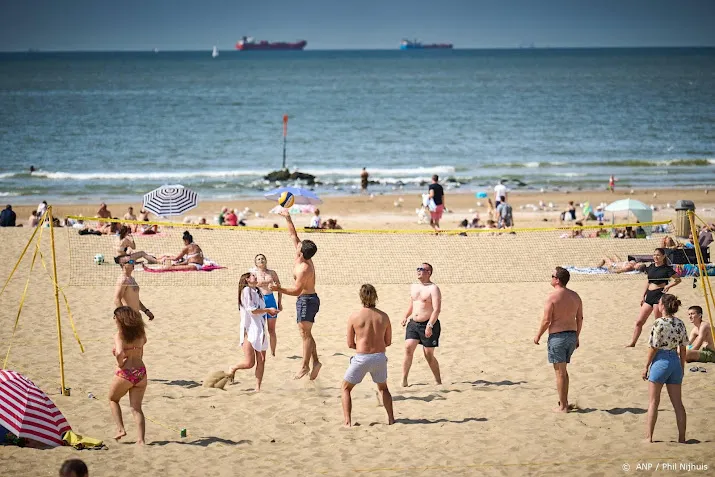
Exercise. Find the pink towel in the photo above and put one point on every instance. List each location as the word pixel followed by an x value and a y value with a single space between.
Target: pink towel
pixel 205 268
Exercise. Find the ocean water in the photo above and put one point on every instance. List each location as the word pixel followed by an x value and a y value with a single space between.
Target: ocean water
pixel 112 126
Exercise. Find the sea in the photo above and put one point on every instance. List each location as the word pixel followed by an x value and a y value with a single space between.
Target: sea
pixel 112 126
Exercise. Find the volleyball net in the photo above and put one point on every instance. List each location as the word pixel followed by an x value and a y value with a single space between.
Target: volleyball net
pixel 353 257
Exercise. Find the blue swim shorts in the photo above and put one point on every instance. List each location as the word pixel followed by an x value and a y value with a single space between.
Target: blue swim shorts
pixel 561 346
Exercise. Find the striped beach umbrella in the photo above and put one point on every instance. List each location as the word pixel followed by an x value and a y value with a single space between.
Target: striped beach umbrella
pixel 27 412
pixel 170 200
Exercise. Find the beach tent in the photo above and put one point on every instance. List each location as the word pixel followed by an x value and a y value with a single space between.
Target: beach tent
pixel 641 211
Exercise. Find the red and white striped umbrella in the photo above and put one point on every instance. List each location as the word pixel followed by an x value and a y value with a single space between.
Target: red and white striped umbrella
pixel 27 412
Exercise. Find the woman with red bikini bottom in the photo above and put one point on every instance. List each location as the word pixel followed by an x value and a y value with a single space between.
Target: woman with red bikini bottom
pixel 130 376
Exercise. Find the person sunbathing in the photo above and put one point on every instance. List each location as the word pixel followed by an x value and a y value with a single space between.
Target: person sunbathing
pixel 126 249
pixel 616 265
pixel 191 256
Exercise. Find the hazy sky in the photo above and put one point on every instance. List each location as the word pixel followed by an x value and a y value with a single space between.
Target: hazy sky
pixel 331 24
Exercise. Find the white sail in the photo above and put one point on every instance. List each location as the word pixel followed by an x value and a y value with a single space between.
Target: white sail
pixel 214 53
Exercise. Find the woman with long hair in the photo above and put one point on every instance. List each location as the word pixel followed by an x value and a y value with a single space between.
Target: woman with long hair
pixel 265 277
pixel 666 364
pixel 126 248
pixel 191 256
pixel 131 373
pixel 659 275
pixel 253 309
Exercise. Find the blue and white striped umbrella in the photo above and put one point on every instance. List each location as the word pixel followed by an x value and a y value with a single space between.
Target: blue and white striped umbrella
pixel 170 200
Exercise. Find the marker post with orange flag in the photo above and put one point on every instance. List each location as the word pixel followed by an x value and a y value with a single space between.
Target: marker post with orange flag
pixel 285 137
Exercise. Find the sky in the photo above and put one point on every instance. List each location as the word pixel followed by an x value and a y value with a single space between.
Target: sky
pixel 352 24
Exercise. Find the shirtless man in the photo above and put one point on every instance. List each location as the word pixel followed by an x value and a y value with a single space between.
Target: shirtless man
pixel 105 214
pixel 127 292
pixel 423 317
pixel 563 317
pixel 701 348
pixel 308 304
pixel 369 333
pixel 130 216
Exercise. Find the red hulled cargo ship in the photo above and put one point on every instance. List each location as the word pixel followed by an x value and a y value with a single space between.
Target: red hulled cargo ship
pixel 248 43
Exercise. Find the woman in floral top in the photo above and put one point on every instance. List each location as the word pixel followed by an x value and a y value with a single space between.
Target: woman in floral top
pixel 666 363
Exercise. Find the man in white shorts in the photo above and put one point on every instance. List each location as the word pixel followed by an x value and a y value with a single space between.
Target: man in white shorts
pixel 369 333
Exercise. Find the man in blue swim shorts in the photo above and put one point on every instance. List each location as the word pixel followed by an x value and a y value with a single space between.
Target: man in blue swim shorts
pixel 308 304
pixel 563 317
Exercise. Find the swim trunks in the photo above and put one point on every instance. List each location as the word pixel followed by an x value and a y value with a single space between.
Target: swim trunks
pixel 436 214
pixel 560 346
pixel 707 355
pixel 416 331
pixel 306 307
pixel 361 364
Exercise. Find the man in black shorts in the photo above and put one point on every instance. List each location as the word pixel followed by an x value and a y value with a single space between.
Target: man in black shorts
pixel 307 304
pixel 422 320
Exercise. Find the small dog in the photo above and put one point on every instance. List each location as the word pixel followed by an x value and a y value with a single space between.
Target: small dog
pixel 217 379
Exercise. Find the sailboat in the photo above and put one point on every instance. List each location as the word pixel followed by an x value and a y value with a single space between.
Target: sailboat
pixel 214 53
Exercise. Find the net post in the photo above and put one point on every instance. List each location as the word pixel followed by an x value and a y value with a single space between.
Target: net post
pixel 702 269
pixel 63 389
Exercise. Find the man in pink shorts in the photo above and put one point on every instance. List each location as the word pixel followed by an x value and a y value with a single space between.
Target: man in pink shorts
pixel 436 204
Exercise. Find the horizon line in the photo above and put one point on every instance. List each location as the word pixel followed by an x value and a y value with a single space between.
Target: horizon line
pixel 491 48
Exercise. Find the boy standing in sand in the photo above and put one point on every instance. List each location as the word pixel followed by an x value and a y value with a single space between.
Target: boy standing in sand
pixel 423 317
pixel 308 304
pixel 369 333
pixel 563 317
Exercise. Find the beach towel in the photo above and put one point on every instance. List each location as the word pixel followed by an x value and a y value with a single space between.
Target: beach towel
pixel 689 270
pixel 81 442
pixel 209 265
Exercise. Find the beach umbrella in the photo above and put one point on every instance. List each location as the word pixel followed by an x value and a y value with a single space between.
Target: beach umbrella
pixel 642 211
pixel 170 200
pixel 302 196
pixel 27 412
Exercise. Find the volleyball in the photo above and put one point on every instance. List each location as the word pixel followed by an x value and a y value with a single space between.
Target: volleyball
pixel 99 259
pixel 286 200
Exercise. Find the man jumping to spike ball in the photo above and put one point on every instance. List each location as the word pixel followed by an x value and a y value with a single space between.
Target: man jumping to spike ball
pixel 308 303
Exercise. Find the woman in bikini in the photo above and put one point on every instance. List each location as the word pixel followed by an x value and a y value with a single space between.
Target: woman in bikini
pixel 131 373
pixel 659 275
pixel 126 249
pixel 127 292
pixel 191 256
pixel 265 277
pixel 253 309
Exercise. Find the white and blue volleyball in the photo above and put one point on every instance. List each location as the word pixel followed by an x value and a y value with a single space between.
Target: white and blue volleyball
pixel 99 259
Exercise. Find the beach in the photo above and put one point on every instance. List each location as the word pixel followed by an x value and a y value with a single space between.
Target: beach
pixel 492 414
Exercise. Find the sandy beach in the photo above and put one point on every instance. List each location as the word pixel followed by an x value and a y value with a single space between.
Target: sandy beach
pixel 492 415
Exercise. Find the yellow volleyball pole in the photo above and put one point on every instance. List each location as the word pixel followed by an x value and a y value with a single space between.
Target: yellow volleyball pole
pixel 22 255
pixel 701 268
pixel 63 389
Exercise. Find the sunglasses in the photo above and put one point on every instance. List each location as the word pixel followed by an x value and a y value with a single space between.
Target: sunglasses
pixel 422 269
pixel 554 276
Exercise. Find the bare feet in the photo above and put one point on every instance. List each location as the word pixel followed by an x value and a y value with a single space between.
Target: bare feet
pixel 682 441
pixel 561 408
pixel 390 422
pixel 120 433
pixel 378 395
pixel 301 373
pixel 140 443
pixel 648 440
pixel 316 370
pixel 632 345
pixel 404 382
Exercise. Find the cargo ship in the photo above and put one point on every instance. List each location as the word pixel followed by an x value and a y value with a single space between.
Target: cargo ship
pixel 416 45
pixel 248 43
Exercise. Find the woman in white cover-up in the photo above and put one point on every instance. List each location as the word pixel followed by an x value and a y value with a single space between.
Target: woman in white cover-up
pixel 254 340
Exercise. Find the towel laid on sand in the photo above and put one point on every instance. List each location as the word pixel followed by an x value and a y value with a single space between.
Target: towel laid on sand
pixel 209 265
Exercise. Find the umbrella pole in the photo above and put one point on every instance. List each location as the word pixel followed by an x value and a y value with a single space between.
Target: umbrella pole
pixel 63 389
pixel 285 136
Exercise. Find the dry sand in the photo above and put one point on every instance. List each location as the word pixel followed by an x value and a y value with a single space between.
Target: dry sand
pixel 492 414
